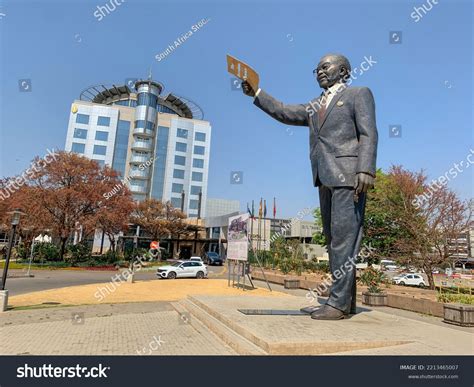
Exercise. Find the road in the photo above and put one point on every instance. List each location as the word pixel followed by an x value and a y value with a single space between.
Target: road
pixel 53 279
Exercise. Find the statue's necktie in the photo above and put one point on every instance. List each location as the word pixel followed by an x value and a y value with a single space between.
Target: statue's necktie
pixel 322 109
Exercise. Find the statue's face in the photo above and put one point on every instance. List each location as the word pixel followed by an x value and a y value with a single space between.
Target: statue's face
pixel 329 71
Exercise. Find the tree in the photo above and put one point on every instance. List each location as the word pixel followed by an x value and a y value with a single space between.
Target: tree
pixel 318 237
pixel 68 192
pixel 422 229
pixel 159 219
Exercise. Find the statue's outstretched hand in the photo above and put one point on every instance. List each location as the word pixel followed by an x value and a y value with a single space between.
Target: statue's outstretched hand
pixel 247 89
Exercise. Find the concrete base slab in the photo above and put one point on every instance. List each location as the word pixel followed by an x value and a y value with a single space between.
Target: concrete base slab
pixel 368 332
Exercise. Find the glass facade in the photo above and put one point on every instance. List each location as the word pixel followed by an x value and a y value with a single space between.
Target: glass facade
pixel 82 118
pixel 126 102
pixel 183 133
pixel 177 188
pixel 147 99
pixel 180 160
pixel 198 163
pixel 198 150
pixel 161 150
pixel 195 189
pixel 193 204
pixel 141 124
pixel 199 136
pixel 196 176
pixel 100 150
pixel 101 135
pixel 78 148
pixel 178 173
pixel 181 146
pixel 176 202
pixel 80 133
pixel 121 146
pixel 165 109
pixel 103 121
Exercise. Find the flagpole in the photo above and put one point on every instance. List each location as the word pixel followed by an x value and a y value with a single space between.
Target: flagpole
pixel 264 227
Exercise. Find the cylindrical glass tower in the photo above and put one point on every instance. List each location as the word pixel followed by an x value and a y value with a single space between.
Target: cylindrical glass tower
pixel 144 134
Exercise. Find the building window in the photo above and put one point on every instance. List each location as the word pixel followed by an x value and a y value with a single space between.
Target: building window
pixel 197 176
pixel 198 163
pixel 121 146
pixel 195 190
pixel 198 150
pixel 147 99
pixel 78 148
pixel 141 124
pixel 199 136
pixel 80 133
pixel 176 202
pixel 103 121
pixel 183 133
pixel 82 119
pixel 100 162
pixel 101 135
pixel 177 188
pixel 180 160
pixel 178 174
pixel 193 204
pixel 181 147
pixel 100 150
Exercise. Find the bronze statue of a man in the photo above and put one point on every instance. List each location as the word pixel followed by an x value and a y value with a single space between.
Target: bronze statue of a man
pixel 343 151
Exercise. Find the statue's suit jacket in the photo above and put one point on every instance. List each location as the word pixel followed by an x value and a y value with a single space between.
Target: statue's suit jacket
pixel 343 143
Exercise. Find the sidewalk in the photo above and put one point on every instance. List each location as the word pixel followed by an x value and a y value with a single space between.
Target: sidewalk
pixel 140 291
pixel 125 329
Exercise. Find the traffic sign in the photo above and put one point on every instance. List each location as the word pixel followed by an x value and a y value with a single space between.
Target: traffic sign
pixel 155 245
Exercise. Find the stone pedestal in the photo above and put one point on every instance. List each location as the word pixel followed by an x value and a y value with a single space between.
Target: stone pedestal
pixel 3 300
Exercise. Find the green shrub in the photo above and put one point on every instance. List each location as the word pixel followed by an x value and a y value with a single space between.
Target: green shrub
pixel 45 252
pixel 372 278
pixel 455 298
pixel 78 253
pixel 20 251
pixel 111 256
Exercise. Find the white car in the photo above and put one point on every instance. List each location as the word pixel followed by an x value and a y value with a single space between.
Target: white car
pixel 391 267
pixel 409 279
pixel 197 259
pixel 180 269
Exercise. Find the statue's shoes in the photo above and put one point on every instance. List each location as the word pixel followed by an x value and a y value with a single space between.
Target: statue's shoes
pixel 327 312
pixel 310 309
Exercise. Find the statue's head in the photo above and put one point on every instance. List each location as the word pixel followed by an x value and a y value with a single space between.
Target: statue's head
pixel 332 68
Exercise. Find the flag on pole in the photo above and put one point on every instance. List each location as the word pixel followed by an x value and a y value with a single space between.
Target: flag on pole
pixel 274 208
pixel 253 210
pixel 248 210
pixel 264 208
pixel 260 209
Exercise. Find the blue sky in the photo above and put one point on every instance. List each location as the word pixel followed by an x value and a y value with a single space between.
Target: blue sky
pixel 423 84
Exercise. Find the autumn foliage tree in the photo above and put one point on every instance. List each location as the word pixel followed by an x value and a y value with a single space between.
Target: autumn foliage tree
pixel 159 219
pixel 420 230
pixel 68 192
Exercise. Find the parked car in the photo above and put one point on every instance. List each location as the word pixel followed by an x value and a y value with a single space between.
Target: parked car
pixel 212 258
pixel 180 269
pixel 409 279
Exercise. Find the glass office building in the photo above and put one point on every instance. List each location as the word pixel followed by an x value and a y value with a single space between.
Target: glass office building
pixel 159 144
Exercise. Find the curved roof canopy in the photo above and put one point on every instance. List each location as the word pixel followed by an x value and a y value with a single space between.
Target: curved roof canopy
pixel 108 94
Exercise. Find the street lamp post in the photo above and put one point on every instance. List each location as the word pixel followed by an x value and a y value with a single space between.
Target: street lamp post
pixel 4 293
